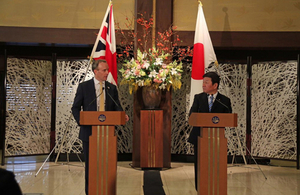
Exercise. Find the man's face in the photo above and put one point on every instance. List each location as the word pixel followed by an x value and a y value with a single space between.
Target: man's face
pixel 101 72
pixel 208 87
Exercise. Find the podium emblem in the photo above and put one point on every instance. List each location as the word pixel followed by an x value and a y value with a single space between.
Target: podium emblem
pixel 101 117
pixel 215 120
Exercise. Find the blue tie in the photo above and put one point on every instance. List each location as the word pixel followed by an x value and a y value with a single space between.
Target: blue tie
pixel 211 101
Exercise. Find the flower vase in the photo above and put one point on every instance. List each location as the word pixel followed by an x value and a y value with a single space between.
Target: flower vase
pixel 151 97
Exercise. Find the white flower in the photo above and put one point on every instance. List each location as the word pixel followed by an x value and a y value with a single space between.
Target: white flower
pixel 162 86
pixel 144 55
pixel 153 73
pixel 146 64
pixel 140 82
pixel 158 61
pixel 173 71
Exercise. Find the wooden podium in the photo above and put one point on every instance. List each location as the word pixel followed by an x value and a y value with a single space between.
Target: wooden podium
pixel 212 151
pixel 103 150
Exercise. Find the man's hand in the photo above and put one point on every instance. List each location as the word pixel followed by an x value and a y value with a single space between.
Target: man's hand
pixel 126 118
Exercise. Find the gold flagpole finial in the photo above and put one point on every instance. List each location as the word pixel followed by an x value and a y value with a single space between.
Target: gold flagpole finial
pixel 217 63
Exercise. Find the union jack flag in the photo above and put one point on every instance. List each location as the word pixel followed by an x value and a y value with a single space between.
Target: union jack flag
pixel 105 45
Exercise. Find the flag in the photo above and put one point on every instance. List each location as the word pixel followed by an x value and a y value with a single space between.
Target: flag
pixel 203 54
pixel 105 45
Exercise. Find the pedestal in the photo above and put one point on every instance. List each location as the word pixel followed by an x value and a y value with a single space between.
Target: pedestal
pixel 151 140
pixel 139 124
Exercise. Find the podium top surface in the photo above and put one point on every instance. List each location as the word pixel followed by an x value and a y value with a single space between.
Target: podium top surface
pixel 102 118
pixel 213 119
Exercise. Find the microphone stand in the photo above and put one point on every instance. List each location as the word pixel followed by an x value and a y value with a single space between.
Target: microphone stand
pixel 113 99
pixel 63 140
pixel 239 142
pixel 64 136
pixel 60 148
pixel 240 145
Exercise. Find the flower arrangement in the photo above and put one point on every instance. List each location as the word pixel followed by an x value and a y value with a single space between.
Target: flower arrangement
pixel 150 68
pixel 152 64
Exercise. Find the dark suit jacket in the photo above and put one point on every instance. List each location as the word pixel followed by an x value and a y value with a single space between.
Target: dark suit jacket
pixel 200 104
pixel 85 99
pixel 8 183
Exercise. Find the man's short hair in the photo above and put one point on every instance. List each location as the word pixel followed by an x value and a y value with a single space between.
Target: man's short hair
pixel 96 63
pixel 214 77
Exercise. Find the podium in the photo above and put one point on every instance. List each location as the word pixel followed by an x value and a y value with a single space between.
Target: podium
pixel 212 151
pixel 103 149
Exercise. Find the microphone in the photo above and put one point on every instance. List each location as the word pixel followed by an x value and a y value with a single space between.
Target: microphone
pixel 112 98
pixel 96 97
pixel 223 105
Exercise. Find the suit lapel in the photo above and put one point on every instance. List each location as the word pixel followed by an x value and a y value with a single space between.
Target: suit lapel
pixel 106 96
pixel 215 104
pixel 93 93
pixel 205 103
pixel 213 109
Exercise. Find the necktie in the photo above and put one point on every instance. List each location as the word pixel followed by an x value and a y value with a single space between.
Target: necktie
pixel 211 101
pixel 101 102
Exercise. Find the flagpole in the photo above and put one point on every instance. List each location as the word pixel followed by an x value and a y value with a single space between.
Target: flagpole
pixel 154 23
pixel 87 69
pixel 216 62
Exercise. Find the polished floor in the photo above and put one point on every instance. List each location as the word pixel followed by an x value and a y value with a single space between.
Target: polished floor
pixel 63 179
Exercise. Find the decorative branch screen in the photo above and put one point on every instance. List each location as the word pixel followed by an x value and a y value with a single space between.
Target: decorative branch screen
pixel 28 112
pixel 274 99
pixel 274 110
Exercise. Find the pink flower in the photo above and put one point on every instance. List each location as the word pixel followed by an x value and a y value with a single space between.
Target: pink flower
pixel 157 81
pixel 137 72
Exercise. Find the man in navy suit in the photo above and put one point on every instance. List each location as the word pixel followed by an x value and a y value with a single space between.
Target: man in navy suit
pixel 208 101
pixel 8 183
pixel 87 98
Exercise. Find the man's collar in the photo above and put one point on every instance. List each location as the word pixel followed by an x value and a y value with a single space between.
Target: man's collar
pixel 215 95
pixel 97 81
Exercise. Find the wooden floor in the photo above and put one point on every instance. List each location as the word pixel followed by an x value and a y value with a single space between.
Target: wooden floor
pixel 62 179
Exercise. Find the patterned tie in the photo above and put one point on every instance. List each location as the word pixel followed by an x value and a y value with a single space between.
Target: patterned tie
pixel 211 101
pixel 101 102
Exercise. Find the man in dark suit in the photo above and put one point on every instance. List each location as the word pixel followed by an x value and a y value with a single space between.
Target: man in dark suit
pixel 208 101
pixel 8 183
pixel 88 98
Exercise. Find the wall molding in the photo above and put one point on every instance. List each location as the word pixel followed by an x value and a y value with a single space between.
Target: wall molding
pixel 220 39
